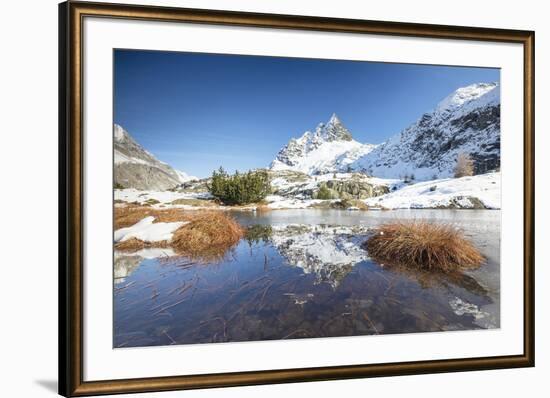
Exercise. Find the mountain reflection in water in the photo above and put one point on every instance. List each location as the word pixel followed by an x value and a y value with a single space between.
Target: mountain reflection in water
pixel 294 280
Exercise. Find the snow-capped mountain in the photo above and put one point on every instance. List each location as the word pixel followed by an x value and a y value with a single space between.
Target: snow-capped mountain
pixel 466 121
pixel 329 148
pixel 137 168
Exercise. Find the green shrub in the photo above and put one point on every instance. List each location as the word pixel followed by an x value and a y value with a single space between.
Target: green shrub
pixel 118 185
pixel 151 201
pixel 239 188
pixel 324 193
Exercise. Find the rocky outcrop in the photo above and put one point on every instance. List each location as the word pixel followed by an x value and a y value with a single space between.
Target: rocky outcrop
pixel 354 188
pixel 143 177
pixel 465 202
pixel 137 168
pixel 294 184
pixel 467 121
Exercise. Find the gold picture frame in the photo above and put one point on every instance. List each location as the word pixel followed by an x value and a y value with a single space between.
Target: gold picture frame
pixel 71 17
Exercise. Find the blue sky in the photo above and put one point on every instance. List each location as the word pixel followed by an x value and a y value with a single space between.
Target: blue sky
pixel 201 111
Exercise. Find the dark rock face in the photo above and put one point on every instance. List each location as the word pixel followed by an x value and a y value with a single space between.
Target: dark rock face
pixel 468 121
pixel 143 177
pixel 334 130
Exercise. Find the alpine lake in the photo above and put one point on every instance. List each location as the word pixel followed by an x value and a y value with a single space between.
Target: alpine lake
pixel 303 274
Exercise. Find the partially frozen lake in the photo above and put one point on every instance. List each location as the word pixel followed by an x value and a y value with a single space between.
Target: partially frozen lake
pixel 302 275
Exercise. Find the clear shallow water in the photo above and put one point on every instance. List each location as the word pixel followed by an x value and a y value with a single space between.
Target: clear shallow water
pixel 309 278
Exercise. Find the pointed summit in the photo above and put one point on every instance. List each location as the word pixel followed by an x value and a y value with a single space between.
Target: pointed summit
pixel 328 149
pixel 119 133
pixel 334 130
pixel 334 119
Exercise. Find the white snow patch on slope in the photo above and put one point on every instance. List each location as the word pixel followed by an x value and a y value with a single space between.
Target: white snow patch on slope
pixel 465 95
pixel 119 133
pixel 441 193
pixel 146 231
pixel 121 158
pixel 184 177
pixel 279 202
pixel 164 197
pixel 329 156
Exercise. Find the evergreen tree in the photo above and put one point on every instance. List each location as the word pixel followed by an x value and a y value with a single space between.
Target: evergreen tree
pixel 239 188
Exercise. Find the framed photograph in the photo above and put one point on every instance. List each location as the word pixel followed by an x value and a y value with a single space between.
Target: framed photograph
pixel 252 198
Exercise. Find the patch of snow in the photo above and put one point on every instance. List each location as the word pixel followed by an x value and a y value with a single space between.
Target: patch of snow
pixel 148 231
pixel 441 193
pixel 327 157
pixel 184 177
pixel 164 197
pixel 465 95
pixel 287 203
pixel 119 133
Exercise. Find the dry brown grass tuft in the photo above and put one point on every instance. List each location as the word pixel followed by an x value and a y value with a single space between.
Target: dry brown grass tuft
pixel 126 216
pixel 208 236
pixel 423 245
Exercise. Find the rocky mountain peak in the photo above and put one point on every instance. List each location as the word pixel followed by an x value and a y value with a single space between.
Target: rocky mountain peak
pixel 329 148
pixel 466 121
pixel 465 95
pixel 119 133
pixel 333 130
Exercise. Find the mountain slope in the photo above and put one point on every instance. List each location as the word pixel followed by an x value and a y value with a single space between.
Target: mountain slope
pixel 137 168
pixel 329 149
pixel 467 121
